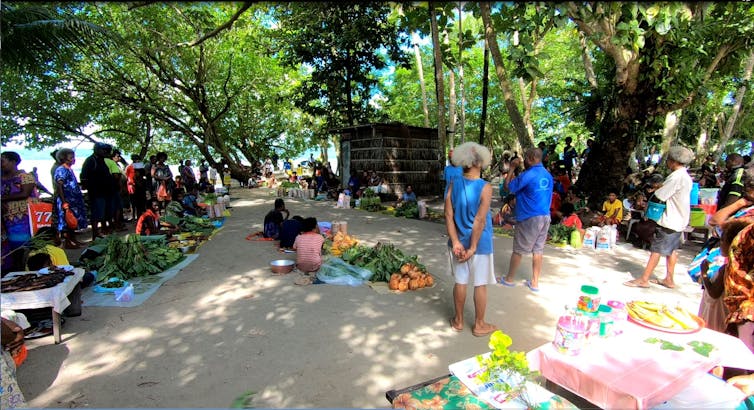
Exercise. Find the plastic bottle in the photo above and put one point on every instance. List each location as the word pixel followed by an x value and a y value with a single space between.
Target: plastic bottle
pixel 589 300
pixel 606 320
pixel 619 314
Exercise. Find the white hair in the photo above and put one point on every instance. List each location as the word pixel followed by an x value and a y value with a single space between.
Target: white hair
pixel 681 155
pixel 471 154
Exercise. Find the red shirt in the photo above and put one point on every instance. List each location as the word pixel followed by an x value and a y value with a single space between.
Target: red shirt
pixel 573 221
pixel 148 224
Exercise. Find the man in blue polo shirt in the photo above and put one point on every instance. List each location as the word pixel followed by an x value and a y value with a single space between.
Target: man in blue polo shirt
pixel 533 191
pixel 451 171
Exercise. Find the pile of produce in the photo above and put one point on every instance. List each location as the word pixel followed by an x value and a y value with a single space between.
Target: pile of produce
pixel 408 210
pixel 560 234
pixel 342 242
pixel 188 223
pixel 410 277
pixel 384 260
pixel 130 256
pixel 289 184
pixel 370 201
pixel 675 318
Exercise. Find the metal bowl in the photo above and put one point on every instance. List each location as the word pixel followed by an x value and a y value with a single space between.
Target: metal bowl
pixel 282 265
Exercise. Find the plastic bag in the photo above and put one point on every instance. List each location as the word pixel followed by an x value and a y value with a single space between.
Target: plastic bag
pixel 603 238
pixel 590 237
pixel 126 295
pixel 575 239
pixel 337 272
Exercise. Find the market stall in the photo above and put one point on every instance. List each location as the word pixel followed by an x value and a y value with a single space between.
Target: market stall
pixel 54 297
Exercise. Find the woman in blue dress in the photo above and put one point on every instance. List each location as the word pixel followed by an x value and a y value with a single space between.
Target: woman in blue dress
pixel 469 224
pixel 69 196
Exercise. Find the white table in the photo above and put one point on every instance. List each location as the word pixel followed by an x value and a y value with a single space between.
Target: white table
pixel 55 297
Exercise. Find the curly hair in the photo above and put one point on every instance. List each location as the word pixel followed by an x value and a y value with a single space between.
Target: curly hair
pixel 62 154
pixel 681 155
pixel 471 154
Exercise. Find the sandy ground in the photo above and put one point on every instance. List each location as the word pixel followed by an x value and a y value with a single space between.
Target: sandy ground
pixel 225 326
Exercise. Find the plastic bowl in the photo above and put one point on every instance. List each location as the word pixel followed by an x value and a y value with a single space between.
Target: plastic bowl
pixel 187 249
pixel 282 265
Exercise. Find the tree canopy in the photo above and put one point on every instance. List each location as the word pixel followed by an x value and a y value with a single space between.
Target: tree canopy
pixel 235 82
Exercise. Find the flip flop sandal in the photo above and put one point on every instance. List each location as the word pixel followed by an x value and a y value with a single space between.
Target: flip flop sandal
pixel 303 281
pixel 532 288
pixel 455 329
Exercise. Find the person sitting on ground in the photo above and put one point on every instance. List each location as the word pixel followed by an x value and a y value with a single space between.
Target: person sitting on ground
pixel 375 182
pixel 571 218
pixel 274 219
pixel 293 177
pixel 353 183
pixel 190 206
pixel 149 221
pixel 175 206
pixel 57 255
pixel 289 230
pixel 407 197
pixel 308 246
pixel 612 211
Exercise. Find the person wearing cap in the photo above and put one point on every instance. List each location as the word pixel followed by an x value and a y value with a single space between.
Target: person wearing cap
pixel 676 193
pixel 96 178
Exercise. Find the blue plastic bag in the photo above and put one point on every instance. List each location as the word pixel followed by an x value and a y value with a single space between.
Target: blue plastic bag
pixel 335 271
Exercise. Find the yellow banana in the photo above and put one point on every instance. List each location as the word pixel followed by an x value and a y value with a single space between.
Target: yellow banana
pixel 677 318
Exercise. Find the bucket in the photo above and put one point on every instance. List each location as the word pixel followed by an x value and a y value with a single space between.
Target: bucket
pixel 654 211
pixel 694 193
pixel 570 335
pixel 698 218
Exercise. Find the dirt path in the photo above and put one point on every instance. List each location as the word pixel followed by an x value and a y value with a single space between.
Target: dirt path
pixel 225 325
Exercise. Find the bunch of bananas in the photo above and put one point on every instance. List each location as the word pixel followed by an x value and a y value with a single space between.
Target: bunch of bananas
pixel 676 318
pixel 341 242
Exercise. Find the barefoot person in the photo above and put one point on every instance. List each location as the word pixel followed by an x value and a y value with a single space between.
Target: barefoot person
pixel 467 216
pixel 533 191
pixel 676 192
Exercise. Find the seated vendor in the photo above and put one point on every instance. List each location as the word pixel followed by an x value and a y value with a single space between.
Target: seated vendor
pixel 175 207
pixel 149 221
pixel 408 196
pixel 612 211
pixel 289 230
pixel 57 255
pixel 308 246
pixel 190 206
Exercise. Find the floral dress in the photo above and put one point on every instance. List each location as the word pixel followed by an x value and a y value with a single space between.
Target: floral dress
pixel 10 395
pixel 73 196
pixel 16 223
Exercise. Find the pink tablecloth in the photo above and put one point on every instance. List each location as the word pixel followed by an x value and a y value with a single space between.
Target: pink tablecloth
pixel 627 372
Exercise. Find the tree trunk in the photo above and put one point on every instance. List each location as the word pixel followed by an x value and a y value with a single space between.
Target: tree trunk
pixel 462 117
pixel 485 92
pixel 420 69
pixel 588 67
pixel 605 168
pixel 669 132
pixel 519 126
pixel 730 125
pixel 453 117
pixel 527 99
pixel 439 82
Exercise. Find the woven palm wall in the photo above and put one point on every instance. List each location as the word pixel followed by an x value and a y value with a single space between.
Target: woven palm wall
pixel 401 154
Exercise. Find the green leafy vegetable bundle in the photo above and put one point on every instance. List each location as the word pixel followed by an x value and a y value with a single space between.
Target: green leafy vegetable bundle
pixel 383 259
pixel 130 256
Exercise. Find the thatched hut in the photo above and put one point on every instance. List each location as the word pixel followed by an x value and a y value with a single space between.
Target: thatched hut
pixel 401 154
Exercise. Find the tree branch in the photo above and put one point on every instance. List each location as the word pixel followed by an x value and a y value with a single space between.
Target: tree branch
pixel 225 26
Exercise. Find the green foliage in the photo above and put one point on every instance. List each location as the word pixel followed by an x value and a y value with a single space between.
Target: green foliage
pixel 408 210
pixel 558 233
pixel 370 201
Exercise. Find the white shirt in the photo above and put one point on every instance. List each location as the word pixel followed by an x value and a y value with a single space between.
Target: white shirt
pixel 676 192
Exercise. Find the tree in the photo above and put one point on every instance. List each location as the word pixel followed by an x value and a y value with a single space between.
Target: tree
pixel 662 55
pixel 340 45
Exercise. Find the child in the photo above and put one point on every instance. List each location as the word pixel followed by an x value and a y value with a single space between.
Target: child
pixel 190 206
pixel 308 247
pixel 289 230
pixel 508 211
pixel 571 218
pixel 274 220
pixel 175 207
pixel 612 211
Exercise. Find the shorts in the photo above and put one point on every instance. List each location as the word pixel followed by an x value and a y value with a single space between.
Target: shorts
pixel 665 241
pixel 98 206
pixel 530 234
pixel 482 267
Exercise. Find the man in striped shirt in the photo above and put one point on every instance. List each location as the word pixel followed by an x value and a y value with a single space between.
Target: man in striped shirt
pixel 308 246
